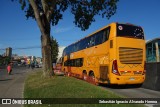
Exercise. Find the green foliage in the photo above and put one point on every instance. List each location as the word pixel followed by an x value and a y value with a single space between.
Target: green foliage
pixel 5 60
pixel 54 49
pixel 1 60
pixel 84 11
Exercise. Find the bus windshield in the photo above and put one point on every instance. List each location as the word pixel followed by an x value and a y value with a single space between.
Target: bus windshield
pixel 129 31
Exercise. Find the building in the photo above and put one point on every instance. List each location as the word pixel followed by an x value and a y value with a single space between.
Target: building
pixel 59 59
pixel 9 52
pixel 153 50
pixel 61 48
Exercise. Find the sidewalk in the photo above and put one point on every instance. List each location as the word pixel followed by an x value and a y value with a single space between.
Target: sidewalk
pixel 12 86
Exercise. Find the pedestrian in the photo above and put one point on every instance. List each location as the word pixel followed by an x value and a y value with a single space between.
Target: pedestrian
pixel 29 63
pixel 9 68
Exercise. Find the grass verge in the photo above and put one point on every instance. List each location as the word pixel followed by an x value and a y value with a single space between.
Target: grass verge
pixel 66 87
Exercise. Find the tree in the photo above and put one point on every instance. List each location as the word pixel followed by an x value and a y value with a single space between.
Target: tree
pixel 54 49
pixel 47 12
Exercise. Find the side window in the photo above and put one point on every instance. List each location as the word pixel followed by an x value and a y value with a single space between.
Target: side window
pixel 74 62
pixel 78 46
pixel 85 43
pixel 77 62
pixel 75 47
pixel 81 62
pixel 106 34
pixel 82 44
pixel 89 42
pixel 92 41
pixel 71 49
pixel 102 36
pixel 68 63
pixel 98 38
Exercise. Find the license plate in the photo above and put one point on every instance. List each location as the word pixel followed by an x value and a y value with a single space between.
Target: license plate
pixel 132 78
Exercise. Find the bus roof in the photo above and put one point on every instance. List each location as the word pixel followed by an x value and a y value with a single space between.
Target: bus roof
pixel 100 30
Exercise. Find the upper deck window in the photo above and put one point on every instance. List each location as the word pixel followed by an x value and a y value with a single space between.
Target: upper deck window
pixel 129 31
pixel 90 41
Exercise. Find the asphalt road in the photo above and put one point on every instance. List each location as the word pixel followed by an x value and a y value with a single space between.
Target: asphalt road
pixel 11 86
pixel 133 91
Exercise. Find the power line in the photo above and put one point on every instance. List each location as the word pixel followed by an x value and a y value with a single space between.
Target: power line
pixel 23 39
pixel 20 48
pixel 26 48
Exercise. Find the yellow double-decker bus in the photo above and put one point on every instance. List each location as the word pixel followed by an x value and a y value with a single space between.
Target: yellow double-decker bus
pixel 114 54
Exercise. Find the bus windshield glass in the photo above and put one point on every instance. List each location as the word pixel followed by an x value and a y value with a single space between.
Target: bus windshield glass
pixel 129 31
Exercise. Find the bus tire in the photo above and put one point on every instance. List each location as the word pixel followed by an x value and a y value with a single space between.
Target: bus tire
pixel 139 85
pixel 91 74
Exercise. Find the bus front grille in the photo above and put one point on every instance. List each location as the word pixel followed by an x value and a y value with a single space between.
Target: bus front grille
pixel 130 55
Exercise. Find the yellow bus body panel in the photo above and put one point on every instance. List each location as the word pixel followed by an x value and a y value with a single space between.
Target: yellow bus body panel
pixel 100 58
